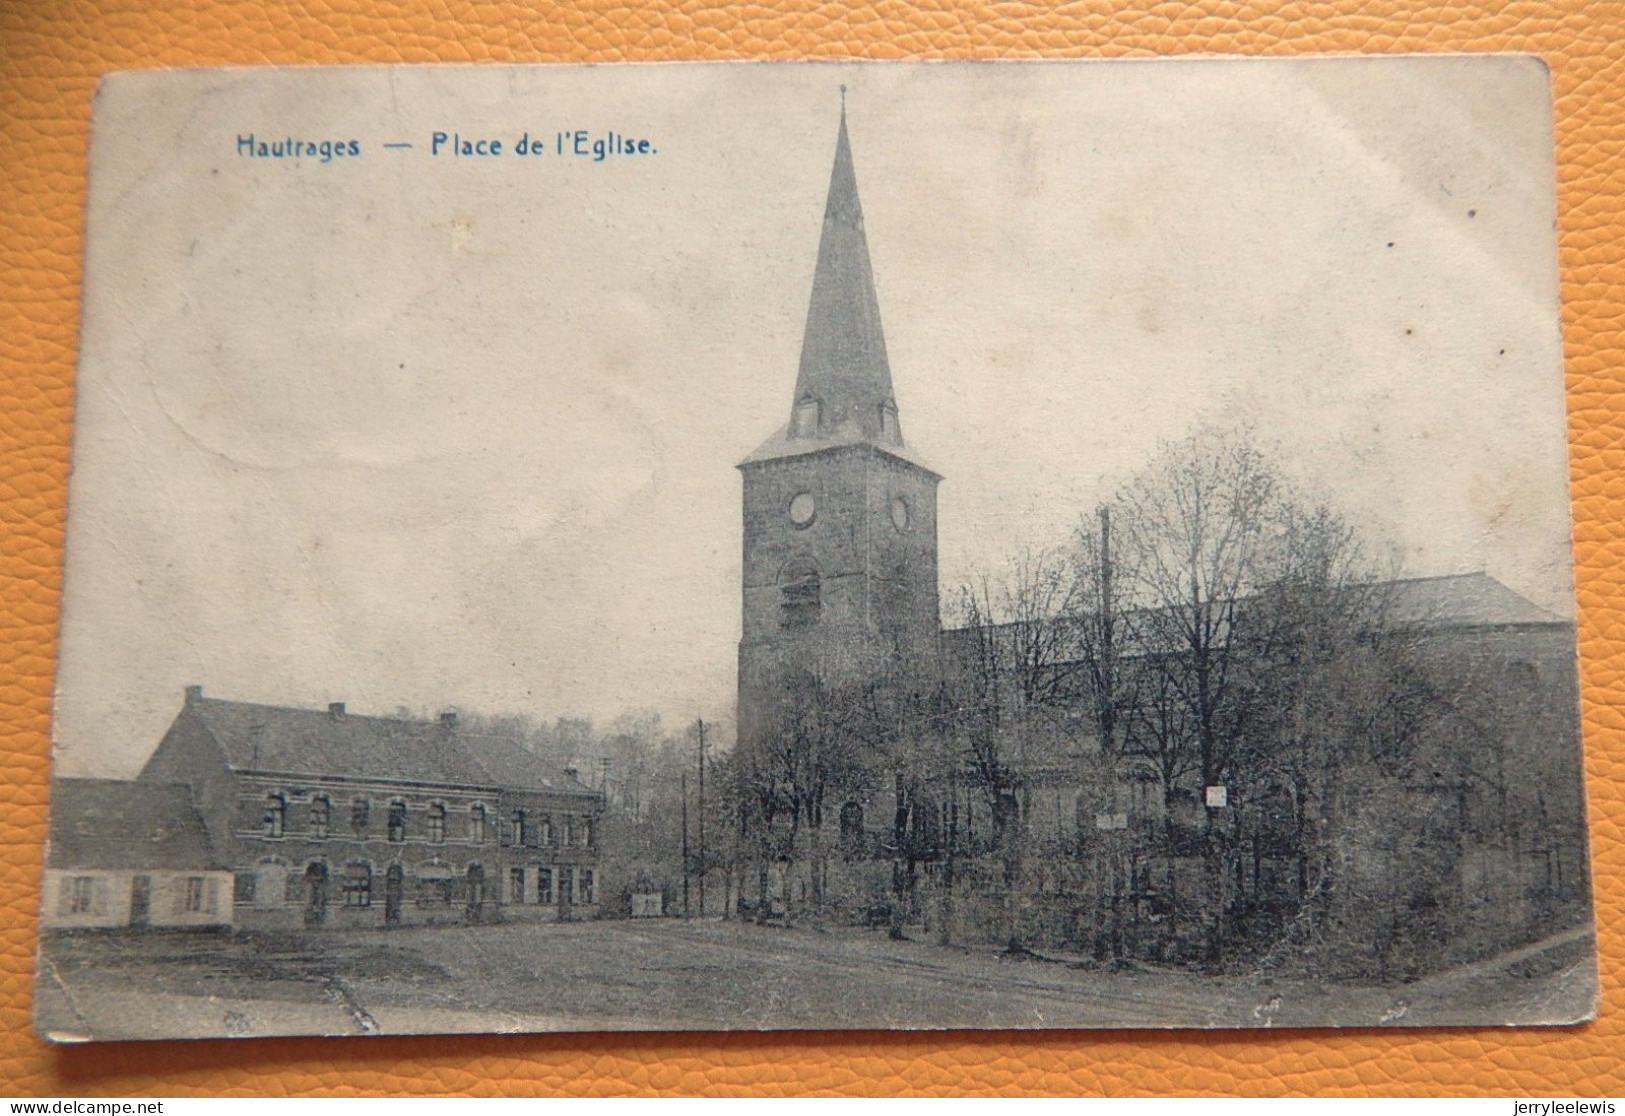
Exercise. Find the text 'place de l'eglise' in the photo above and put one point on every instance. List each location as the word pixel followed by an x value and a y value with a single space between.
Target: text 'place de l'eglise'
pixel 1183 738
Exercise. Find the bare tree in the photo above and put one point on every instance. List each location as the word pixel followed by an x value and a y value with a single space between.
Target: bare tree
pixel 806 757
pixel 1016 678
pixel 1204 524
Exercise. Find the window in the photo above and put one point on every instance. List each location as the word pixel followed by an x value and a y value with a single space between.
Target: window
pixel 801 595
pixel 276 815
pixel 567 831
pixel 476 824
pixel 587 886
pixel 547 830
pixel 544 885
pixel 242 887
pixel 193 903
pixel 358 886
pixel 360 815
pixel 805 419
pixel 567 882
pixel 437 823
pixel 321 815
pixel 518 828
pixel 397 821
pixel 587 834
pixel 81 895
pixel 434 886
pixel 516 885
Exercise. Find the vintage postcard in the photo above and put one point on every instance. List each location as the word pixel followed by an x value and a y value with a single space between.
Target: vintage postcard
pixel 819 546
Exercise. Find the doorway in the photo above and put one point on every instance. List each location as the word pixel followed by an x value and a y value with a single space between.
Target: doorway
pixel 476 893
pixel 141 901
pixel 316 895
pixel 394 884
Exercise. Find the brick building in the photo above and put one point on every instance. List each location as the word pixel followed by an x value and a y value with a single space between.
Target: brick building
pixel 329 818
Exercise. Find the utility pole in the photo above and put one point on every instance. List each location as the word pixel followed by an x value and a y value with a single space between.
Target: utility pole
pixel 683 792
pixel 702 817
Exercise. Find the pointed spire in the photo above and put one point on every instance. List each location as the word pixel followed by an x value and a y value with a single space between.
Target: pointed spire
pixel 844 384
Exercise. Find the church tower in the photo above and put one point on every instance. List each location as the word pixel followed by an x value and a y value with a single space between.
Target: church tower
pixel 840 516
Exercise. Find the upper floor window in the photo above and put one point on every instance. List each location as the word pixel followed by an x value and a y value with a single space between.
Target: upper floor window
pixel 321 815
pixel 476 824
pixel 547 830
pixel 802 595
pixel 397 821
pixel 276 815
pixel 360 815
pixel 437 823
pixel 518 828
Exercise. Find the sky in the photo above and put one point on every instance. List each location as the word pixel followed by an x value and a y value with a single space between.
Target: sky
pixel 434 431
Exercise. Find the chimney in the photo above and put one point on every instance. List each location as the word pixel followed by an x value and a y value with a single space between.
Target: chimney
pixel 571 771
pixel 335 709
pixel 448 720
pixel 193 693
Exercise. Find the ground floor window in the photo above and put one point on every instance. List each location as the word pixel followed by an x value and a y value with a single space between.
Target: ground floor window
pixel 243 887
pixel 434 891
pixel 79 895
pixel 516 885
pixel 358 886
pixel 567 881
pixel 587 886
pixel 199 896
pixel 544 885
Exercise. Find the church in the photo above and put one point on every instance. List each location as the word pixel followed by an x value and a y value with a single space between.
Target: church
pixel 840 601
pixel 840 528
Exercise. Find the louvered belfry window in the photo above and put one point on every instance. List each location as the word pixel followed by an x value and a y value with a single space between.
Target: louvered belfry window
pixel 802 595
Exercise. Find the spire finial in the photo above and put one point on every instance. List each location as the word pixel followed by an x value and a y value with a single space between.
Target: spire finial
pixel 843 102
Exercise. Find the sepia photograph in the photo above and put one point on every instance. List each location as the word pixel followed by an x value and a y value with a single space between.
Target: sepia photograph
pixel 819 546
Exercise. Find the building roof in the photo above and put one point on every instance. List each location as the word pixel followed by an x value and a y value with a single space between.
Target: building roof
pixel 1448 602
pixel 1474 600
pixel 843 349
pixel 116 824
pixel 784 444
pixel 514 767
pixel 844 377
pixel 334 742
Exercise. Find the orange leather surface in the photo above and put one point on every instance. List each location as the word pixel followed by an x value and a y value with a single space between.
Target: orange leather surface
pixel 51 55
